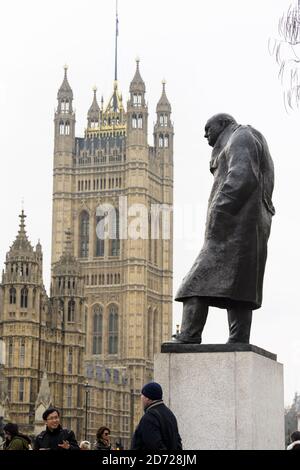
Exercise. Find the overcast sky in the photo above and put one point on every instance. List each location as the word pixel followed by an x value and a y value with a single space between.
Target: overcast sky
pixel 214 56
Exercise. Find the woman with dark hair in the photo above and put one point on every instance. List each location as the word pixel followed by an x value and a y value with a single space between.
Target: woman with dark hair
pixel 103 439
pixel 14 440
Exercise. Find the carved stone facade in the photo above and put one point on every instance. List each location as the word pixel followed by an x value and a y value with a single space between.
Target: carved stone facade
pixel 110 304
pixel 39 337
pixel 128 276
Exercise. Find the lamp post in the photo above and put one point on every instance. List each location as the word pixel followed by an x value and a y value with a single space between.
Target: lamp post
pixel 86 390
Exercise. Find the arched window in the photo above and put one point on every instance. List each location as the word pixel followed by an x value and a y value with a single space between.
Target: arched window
pixel 99 240
pixel 61 307
pixel 97 330
pixel 84 235
pixel 22 353
pixel 135 99
pixel 10 354
pixel 113 330
pixel 161 119
pixel 21 388
pixel 33 297
pixel 149 238
pixel 69 396
pixel 161 140
pixel 134 121
pixel 12 295
pixel 156 331
pixel 24 297
pixel 61 127
pixel 166 141
pixel 71 311
pixel 155 251
pixel 165 120
pixel 70 361
pixel 150 327
pixel 67 128
pixel 65 106
pixel 140 121
pixel 115 241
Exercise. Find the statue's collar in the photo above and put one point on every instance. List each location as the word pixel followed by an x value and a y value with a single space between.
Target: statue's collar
pixel 220 144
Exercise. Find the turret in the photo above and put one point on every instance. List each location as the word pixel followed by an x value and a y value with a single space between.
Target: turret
pixel 93 112
pixel 137 110
pixel 22 280
pixel 163 129
pixel 64 119
pixel 67 288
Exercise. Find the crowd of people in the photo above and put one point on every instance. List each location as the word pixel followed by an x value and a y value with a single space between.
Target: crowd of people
pixel 157 430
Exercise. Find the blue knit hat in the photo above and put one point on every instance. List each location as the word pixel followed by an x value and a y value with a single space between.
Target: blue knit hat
pixel 152 390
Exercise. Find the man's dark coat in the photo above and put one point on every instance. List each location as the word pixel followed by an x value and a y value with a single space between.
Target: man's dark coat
pixel 157 429
pixel 231 264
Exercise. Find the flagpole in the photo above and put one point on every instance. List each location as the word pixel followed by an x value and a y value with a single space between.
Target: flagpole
pixel 116 43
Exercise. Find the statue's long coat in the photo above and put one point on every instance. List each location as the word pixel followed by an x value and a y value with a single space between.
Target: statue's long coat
pixel 231 264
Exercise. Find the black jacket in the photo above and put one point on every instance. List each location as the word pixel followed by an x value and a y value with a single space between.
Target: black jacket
pixel 157 430
pixel 50 439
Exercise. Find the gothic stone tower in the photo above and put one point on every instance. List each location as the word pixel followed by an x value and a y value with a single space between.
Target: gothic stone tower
pixel 23 313
pixel 127 275
pixel 42 335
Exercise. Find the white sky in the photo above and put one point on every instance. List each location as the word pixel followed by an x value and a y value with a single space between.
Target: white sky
pixel 214 57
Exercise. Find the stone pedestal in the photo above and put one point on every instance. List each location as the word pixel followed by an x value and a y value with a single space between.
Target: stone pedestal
pixel 227 396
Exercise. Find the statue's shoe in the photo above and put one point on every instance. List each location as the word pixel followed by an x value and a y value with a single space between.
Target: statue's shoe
pixel 178 339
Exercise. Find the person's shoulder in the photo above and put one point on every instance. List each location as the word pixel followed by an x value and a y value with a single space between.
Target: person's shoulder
pixel 67 431
pixel 242 132
pixel 41 434
pixel 18 443
pixel 244 136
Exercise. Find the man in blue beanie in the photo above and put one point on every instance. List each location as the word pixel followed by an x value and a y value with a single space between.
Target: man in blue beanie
pixel 157 429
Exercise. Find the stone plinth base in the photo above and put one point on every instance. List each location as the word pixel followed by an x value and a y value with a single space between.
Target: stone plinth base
pixel 224 396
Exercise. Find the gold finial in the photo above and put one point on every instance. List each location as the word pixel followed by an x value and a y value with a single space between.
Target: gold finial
pixel 94 88
pixel 22 204
pixel 137 59
pixel 163 81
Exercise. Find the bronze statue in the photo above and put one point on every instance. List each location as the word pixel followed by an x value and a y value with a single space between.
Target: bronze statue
pixel 228 272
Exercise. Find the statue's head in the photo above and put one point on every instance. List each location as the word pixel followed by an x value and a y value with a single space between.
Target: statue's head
pixel 215 126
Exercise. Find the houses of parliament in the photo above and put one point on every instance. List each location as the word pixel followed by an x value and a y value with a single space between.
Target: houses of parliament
pixel 88 347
